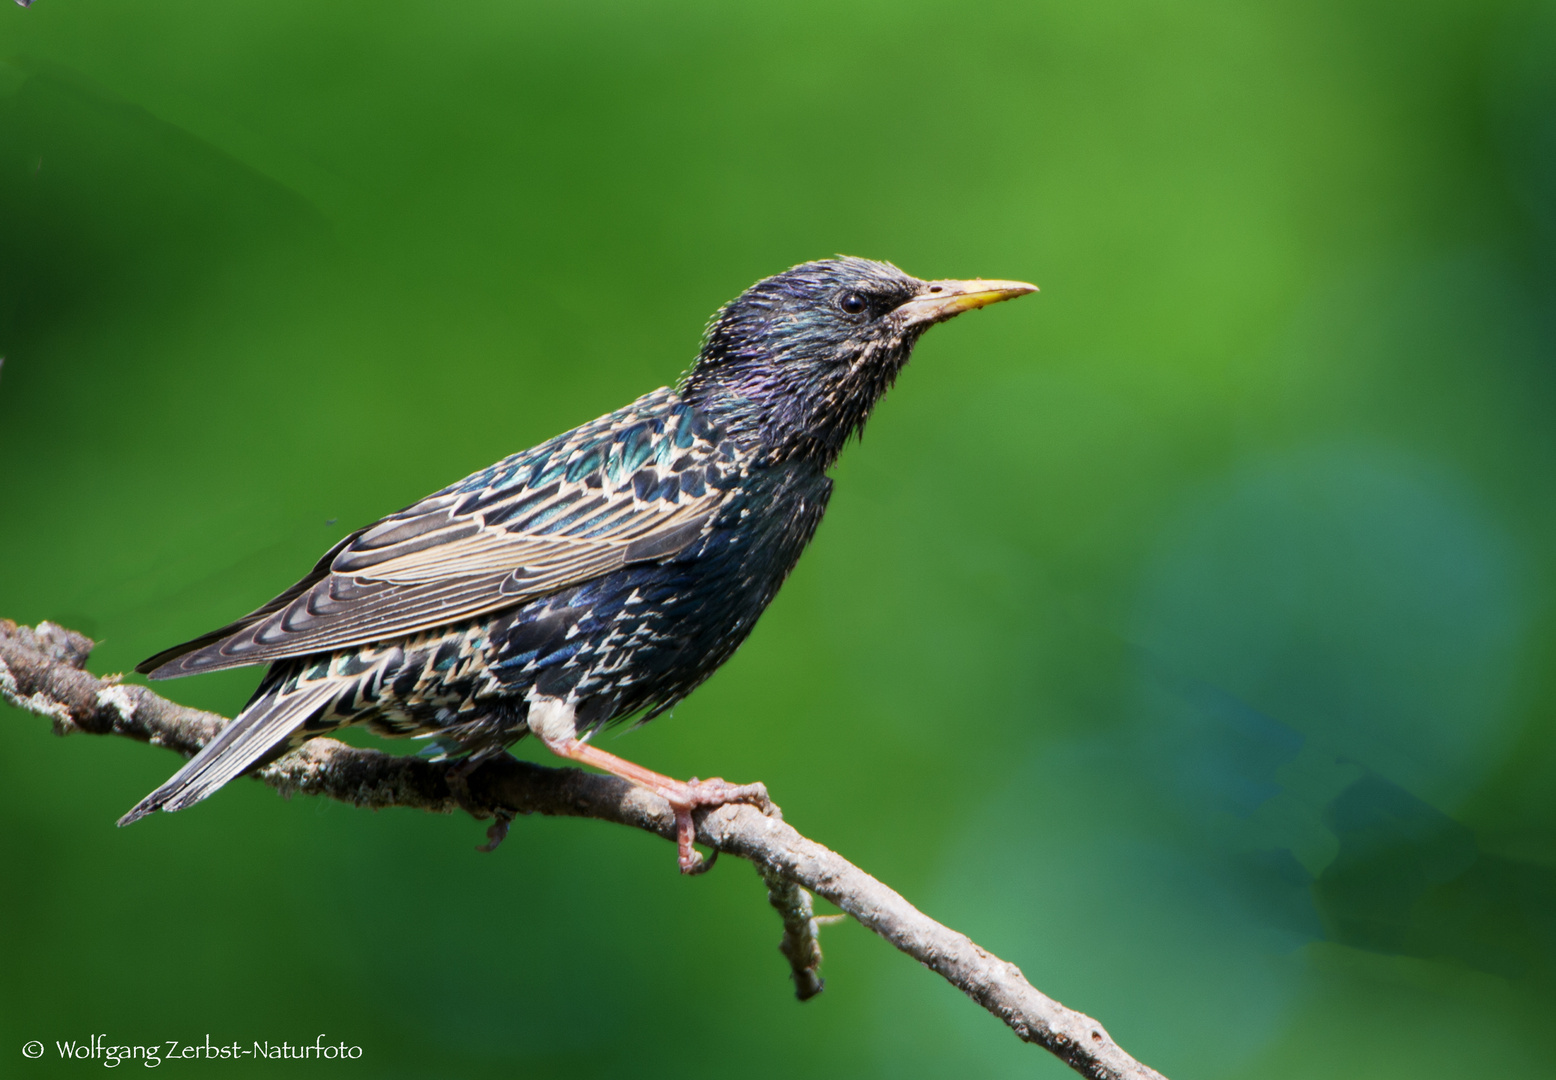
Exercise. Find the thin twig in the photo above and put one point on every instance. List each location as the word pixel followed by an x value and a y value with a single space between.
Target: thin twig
pixel 42 670
pixel 800 945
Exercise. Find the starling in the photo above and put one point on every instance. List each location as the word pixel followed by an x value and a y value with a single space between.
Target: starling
pixel 599 576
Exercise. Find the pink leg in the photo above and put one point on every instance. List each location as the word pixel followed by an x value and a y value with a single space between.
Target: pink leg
pixel 683 797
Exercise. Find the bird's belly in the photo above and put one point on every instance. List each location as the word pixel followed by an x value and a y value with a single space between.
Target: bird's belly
pixel 643 637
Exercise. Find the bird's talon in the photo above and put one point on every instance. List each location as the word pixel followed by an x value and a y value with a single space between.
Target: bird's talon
pixel 458 780
pixel 691 859
pixel 699 863
pixel 720 792
pixel 497 831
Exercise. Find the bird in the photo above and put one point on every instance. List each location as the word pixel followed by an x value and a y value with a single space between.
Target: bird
pixel 600 576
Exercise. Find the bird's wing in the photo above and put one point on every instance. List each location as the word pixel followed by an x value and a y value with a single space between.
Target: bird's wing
pixel 637 485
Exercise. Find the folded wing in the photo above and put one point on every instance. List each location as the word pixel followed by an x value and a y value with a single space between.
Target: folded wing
pixel 637 485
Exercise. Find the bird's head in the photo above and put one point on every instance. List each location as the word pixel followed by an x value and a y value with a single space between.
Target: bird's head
pixel 793 365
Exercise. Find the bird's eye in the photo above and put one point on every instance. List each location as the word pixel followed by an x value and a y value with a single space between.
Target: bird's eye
pixel 852 303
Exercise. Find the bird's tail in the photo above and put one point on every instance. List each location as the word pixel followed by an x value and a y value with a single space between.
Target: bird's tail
pixel 264 724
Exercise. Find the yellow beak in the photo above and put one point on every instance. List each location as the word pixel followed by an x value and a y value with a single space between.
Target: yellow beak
pixel 938 301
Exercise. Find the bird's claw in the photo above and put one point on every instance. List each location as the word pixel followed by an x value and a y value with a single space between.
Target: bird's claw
pixel 693 862
pixel 698 794
pixel 458 778
pixel 720 792
pixel 497 831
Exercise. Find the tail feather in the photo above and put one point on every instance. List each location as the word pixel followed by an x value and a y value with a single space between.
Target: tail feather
pixel 256 731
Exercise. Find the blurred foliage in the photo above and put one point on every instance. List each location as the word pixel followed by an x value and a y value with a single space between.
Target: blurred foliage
pixel 1181 633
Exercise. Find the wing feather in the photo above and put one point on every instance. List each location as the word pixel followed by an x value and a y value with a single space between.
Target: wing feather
pixel 614 492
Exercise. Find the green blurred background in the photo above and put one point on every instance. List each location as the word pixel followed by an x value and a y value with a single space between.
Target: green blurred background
pixel 1181 633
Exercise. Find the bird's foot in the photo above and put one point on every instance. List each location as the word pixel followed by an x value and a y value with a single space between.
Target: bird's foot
pixel 458 779
pixel 552 721
pixel 698 794
pixel 497 831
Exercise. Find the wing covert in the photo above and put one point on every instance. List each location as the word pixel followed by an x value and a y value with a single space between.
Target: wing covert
pixel 636 485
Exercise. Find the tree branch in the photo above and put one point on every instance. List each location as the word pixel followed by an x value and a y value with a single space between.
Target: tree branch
pixel 42 670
